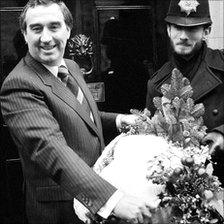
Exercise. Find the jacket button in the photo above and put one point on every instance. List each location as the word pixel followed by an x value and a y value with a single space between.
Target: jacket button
pixel 215 111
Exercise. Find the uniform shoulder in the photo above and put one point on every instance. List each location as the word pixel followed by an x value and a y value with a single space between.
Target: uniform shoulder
pixel 215 58
pixel 216 53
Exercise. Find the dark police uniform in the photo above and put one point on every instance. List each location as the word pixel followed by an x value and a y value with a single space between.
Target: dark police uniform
pixel 205 71
pixel 208 87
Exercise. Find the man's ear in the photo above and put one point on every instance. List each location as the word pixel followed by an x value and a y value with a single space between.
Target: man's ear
pixel 69 32
pixel 206 33
pixel 208 30
pixel 24 35
pixel 168 28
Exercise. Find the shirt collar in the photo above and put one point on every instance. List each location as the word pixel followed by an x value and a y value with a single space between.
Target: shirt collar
pixel 54 69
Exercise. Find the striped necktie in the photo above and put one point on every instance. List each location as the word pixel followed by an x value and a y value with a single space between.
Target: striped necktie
pixel 64 75
pixel 71 83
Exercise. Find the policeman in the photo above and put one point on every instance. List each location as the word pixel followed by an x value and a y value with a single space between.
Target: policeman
pixel 188 27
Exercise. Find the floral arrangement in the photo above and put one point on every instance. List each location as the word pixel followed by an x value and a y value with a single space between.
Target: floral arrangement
pixel 161 160
pixel 185 169
pixel 192 193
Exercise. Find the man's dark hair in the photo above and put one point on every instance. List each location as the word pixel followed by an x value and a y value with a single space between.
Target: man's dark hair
pixel 33 3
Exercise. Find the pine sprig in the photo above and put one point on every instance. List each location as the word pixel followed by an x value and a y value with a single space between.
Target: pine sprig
pixel 177 118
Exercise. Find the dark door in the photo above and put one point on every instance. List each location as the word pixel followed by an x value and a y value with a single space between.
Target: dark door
pixel 12 48
pixel 127 46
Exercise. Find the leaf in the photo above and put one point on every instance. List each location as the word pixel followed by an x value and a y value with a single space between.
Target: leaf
pixel 135 111
pixel 147 112
pixel 190 104
pixel 168 112
pixel 176 81
pixel 209 169
pixel 160 125
pixel 176 103
pixel 195 141
pixel 200 135
pixel 165 101
pixel 157 103
pixel 199 121
pixel 220 194
pixel 176 106
pixel 186 81
pixel 198 110
pixel 165 89
pixel 186 92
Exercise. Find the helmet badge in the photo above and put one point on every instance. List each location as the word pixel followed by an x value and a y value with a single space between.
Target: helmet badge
pixel 188 6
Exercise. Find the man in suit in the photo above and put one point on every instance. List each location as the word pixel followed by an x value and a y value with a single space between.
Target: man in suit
pixel 58 140
pixel 188 27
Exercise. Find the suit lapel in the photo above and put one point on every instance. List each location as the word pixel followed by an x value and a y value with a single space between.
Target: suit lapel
pixel 75 72
pixel 61 91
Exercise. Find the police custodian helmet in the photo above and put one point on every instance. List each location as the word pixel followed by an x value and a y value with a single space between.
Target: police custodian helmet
pixel 188 12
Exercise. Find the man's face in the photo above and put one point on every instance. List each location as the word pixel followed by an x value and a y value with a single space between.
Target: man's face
pixel 186 40
pixel 46 34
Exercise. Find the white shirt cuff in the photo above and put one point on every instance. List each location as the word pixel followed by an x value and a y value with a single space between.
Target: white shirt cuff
pixel 107 209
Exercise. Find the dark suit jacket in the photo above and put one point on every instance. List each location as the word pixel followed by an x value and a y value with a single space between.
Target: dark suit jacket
pixel 208 87
pixel 57 141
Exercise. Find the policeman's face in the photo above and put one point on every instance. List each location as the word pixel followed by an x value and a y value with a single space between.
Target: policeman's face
pixel 186 40
pixel 46 33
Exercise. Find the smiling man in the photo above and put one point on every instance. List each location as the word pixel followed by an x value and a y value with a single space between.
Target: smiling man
pixel 57 127
pixel 46 33
pixel 188 28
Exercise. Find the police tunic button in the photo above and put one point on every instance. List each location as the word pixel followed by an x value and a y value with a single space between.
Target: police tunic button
pixel 215 111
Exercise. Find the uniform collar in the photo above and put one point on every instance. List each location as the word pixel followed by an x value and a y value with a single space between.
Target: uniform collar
pixel 204 75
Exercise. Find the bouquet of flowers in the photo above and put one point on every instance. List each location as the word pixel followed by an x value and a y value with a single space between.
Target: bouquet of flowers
pixel 160 158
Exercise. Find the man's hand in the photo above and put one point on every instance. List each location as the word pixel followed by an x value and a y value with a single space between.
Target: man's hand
pixel 215 141
pixel 134 210
pixel 125 119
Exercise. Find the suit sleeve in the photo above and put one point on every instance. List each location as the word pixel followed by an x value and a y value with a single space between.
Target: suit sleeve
pixel 110 130
pixel 41 142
